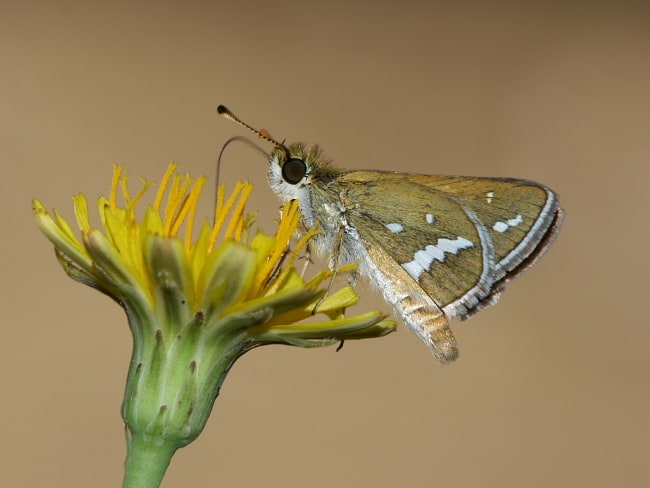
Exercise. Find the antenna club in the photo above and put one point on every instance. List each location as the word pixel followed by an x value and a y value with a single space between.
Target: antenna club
pixel 223 110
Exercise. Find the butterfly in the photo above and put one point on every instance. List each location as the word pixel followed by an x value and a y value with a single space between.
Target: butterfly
pixel 437 247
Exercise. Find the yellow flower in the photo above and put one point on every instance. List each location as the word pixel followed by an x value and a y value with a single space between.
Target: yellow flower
pixel 195 304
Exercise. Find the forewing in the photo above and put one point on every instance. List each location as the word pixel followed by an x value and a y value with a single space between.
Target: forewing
pixel 457 237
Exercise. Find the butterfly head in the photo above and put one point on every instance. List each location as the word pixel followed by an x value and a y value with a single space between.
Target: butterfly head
pixel 300 172
pixel 293 169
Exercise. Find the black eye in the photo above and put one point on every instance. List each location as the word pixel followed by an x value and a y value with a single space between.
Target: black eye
pixel 294 170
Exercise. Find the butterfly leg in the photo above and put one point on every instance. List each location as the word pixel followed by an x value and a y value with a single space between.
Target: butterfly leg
pixel 333 264
pixel 308 261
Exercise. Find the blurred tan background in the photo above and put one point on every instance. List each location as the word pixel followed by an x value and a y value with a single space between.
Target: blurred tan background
pixel 553 384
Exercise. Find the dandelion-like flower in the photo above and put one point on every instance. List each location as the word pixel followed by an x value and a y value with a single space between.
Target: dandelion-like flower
pixel 194 305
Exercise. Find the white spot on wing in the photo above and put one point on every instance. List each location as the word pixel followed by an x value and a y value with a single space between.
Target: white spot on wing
pixel 504 226
pixel 430 218
pixel 516 221
pixel 395 228
pixel 435 252
pixel 500 227
pixel 424 258
pixel 414 269
pixel 453 246
pixel 489 196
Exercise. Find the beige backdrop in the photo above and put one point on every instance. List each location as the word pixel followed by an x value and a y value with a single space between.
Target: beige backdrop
pixel 552 388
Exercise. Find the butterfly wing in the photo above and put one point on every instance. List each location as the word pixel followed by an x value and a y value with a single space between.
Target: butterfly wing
pixel 458 239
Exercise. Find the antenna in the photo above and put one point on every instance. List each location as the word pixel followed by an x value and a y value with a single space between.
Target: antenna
pixel 226 113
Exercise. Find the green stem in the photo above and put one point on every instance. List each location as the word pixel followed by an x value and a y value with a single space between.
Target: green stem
pixel 146 462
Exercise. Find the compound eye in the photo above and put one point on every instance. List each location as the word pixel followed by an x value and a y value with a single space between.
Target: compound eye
pixel 294 170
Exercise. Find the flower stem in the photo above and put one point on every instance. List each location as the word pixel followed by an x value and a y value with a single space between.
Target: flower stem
pixel 146 461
